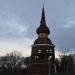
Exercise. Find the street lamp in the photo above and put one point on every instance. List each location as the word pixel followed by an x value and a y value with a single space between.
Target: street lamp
pixel 49 63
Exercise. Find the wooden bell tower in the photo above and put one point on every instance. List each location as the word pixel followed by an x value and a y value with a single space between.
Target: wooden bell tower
pixel 42 54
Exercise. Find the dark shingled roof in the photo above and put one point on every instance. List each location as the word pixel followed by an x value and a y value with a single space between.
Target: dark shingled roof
pixel 43 29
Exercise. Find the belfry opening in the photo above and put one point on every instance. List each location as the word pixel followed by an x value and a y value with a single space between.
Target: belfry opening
pixel 42 53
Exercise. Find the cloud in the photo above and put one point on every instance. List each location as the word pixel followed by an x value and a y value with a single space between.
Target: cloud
pixel 19 20
pixel 69 24
pixel 10 26
pixel 23 45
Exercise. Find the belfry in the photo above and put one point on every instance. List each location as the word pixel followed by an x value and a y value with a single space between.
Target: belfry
pixel 42 54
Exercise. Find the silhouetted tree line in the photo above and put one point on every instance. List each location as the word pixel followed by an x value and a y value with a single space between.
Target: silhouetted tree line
pixel 14 64
pixel 66 64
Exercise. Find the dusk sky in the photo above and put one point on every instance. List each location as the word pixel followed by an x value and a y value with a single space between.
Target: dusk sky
pixel 19 20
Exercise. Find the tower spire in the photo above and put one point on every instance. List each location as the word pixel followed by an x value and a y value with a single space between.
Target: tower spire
pixel 43 27
pixel 43 22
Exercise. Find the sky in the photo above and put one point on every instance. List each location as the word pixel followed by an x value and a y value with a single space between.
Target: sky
pixel 19 20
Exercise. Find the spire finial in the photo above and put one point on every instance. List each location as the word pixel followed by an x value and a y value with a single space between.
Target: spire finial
pixel 43 4
pixel 43 22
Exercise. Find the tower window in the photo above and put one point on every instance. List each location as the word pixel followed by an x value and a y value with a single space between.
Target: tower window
pixel 36 57
pixel 47 50
pixel 39 51
pixel 50 51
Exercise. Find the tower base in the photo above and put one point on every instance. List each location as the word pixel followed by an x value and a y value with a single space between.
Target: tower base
pixel 41 69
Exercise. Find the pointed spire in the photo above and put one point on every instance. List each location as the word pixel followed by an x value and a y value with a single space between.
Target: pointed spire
pixel 43 27
pixel 43 22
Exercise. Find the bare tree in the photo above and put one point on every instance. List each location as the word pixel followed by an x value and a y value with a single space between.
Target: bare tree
pixel 63 52
pixel 12 58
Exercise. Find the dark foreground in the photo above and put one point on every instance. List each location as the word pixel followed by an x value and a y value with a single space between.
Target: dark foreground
pixel 26 73
pixel 14 73
pixel 18 72
pixel 65 73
